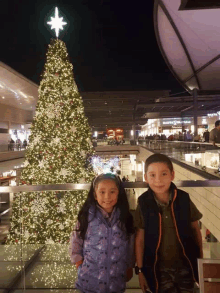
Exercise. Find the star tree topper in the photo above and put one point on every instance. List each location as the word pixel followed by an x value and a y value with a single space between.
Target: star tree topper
pixel 57 22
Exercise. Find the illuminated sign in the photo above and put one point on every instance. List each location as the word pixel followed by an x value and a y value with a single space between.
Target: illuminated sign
pixel 177 122
pixel 213 114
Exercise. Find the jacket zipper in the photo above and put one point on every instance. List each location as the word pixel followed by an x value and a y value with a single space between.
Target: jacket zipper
pixel 177 233
pixel 108 256
pixel 158 245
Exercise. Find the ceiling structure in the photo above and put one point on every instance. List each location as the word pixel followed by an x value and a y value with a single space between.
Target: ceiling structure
pixel 189 41
pixel 115 109
pixel 118 109
pixel 16 90
pixel 124 109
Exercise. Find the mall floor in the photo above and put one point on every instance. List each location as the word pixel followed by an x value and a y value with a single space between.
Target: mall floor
pixel 52 267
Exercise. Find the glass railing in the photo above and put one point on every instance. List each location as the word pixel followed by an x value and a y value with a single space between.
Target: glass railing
pixel 27 264
pixel 178 145
pixel 202 156
pixel 11 147
pixel 110 142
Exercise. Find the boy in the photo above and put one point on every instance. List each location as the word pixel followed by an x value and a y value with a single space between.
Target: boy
pixel 168 239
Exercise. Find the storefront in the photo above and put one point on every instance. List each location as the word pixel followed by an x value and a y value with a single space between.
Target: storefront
pixel 115 133
pixel 211 118
pixel 150 128
pixel 19 131
pixel 166 126
pixel 208 159
pixel 172 126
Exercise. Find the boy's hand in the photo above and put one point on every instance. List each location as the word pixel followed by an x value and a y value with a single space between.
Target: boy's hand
pixel 143 283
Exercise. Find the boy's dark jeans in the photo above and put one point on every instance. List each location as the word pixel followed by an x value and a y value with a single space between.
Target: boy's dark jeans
pixel 175 280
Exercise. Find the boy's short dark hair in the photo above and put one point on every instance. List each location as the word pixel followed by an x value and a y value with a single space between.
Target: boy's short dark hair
pixel 158 158
pixel 217 123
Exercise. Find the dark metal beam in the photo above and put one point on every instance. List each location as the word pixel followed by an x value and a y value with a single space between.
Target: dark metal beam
pixel 207 96
pixel 195 111
pixel 115 109
pixel 202 67
pixel 163 105
pixel 102 128
pixel 180 104
pixel 186 109
pixel 198 4
pixel 106 121
pixel 177 113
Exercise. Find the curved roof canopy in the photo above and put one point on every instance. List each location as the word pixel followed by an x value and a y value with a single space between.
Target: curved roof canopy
pixel 189 41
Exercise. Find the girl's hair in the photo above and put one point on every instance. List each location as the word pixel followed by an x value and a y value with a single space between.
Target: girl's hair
pixel 158 158
pixel 125 218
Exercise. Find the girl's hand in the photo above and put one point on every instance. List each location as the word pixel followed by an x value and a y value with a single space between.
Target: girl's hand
pixel 129 274
pixel 143 283
pixel 78 263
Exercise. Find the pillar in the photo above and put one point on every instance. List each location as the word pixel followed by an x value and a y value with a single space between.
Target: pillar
pixel 134 131
pixel 195 103
pixel 9 125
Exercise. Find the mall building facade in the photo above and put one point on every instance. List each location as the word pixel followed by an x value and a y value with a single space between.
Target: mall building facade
pixel 170 126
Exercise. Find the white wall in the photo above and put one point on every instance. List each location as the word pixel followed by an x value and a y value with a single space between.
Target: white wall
pixel 206 199
pixel 15 115
pixel 4 138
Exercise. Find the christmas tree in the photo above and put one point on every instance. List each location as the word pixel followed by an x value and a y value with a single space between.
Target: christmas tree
pixel 59 151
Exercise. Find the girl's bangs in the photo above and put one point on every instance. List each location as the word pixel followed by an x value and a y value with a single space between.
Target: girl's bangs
pixel 110 176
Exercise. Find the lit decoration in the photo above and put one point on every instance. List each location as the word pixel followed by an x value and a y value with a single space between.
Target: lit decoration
pixel 102 165
pixel 57 24
pixel 59 152
pixel 53 271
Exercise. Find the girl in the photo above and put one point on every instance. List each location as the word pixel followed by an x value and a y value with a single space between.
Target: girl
pixel 102 245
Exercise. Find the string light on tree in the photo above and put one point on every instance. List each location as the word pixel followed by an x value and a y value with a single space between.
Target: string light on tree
pixel 57 23
pixel 59 152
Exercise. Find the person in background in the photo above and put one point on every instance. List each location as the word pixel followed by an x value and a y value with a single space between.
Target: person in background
pixel 171 137
pixel 11 145
pixel 181 138
pixel 189 136
pixel 214 136
pixel 197 138
pixel 18 144
pixel 176 136
pixel 102 245
pixel 184 135
pixel 206 136
pixel 208 235
pixel 25 143
pixel 123 179
pixel 168 238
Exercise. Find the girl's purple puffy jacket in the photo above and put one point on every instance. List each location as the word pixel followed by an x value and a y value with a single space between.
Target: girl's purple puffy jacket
pixel 107 253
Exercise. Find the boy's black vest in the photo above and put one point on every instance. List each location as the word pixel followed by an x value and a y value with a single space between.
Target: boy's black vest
pixel 180 207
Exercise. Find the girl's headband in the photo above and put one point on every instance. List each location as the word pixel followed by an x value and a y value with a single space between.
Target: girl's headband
pixel 101 177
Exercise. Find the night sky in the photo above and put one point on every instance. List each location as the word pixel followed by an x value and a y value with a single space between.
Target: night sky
pixel 111 43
